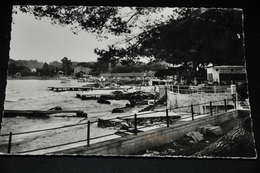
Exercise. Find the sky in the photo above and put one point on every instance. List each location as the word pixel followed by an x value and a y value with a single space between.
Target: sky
pixel 33 39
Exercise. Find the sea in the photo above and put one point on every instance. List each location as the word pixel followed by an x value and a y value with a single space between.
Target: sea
pixel 34 95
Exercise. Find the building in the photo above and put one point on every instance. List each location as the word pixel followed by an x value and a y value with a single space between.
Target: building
pixel 78 69
pixel 128 76
pixel 226 74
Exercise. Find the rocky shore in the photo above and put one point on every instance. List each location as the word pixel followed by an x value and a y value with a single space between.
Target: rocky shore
pixel 187 147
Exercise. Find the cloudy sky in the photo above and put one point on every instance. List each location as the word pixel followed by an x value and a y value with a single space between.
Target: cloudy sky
pixel 40 40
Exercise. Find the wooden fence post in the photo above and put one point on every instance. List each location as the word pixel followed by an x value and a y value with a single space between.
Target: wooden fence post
pixel 167 117
pixel 88 133
pixel 210 105
pixel 135 120
pixel 9 143
pixel 225 102
pixel 192 113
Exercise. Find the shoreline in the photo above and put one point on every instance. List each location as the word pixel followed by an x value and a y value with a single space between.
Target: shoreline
pixel 33 78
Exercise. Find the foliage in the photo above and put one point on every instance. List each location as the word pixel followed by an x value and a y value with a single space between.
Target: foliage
pixel 56 64
pixel 189 36
pixel 14 69
pixel 98 20
pixel 45 71
pixel 66 65
pixel 27 63
pixel 200 36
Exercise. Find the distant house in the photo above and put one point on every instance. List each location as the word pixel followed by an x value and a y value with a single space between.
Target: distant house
pixel 33 69
pixel 86 70
pixel 127 76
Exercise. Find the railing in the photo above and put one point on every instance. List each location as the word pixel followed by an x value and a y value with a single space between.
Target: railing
pixel 187 89
pixel 190 113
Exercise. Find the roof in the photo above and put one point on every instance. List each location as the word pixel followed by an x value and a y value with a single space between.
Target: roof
pixel 122 74
pixel 81 67
pixel 227 66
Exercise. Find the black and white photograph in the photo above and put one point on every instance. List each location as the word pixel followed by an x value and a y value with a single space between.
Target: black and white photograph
pixel 157 82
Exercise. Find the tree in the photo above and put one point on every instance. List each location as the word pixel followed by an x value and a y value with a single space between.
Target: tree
pixel 12 69
pixel 45 70
pixel 189 36
pixel 66 65
pixel 56 64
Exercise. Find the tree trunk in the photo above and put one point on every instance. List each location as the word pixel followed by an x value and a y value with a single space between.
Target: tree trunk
pixel 237 143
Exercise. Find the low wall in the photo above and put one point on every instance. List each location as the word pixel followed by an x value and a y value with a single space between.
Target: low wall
pixel 180 100
pixel 133 143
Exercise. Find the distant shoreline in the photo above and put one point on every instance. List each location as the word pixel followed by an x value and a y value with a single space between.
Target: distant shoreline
pixel 33 78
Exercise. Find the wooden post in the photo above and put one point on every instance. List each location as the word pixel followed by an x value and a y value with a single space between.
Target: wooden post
pixel 192 113
pixel 135 119
pixel 9 143
pixel 210 105
pixel 88 133
pixel 166 96
pixel 225 102
pixel 167 117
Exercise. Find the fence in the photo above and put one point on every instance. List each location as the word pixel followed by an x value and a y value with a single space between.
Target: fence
pixel 133 126
pixel 186 89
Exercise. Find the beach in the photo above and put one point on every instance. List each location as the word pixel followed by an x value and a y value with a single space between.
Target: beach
pixel 33 95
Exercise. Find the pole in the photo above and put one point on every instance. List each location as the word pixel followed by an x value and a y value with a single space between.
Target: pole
pixel 225 102
pixel 192 113
pixel 10 142
pixel 166 95
pixel 88 133
pixel 167 117
pixel 135 119
pixel 210 104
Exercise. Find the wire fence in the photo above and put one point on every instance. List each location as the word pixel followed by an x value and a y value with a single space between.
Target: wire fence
pixel 209 108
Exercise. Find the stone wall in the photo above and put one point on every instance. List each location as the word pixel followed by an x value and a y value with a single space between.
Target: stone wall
pixel 177 100
pixel 133 143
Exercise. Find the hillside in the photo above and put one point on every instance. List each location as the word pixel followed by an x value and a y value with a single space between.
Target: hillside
pixel 27 63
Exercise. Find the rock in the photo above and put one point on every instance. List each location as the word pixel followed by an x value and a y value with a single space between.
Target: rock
pixel 55 108
pixel 151 152
pixel 103 101
pixel 195 136
pixel 171 150
pixel 209 129
pixel 118 110
pixel 124 126
pixel 216 130
pixel 239 142
pixel 175 144
pixel 132 103
pixel 108 123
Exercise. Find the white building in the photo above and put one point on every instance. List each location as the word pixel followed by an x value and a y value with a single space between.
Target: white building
pixel 226 74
